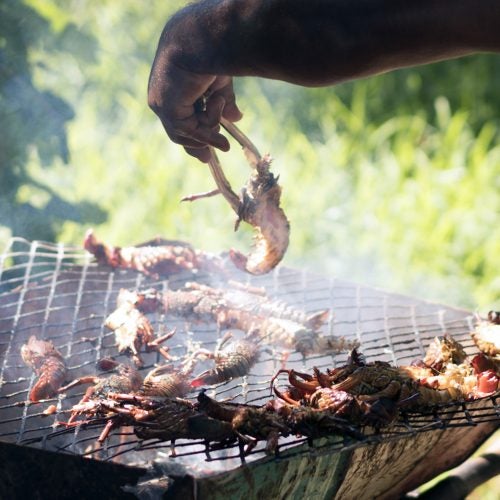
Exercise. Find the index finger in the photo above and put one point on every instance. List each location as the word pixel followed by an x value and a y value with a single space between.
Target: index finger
pixel 189 131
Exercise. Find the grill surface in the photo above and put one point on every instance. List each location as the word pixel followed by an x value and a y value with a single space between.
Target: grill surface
pixel 57 292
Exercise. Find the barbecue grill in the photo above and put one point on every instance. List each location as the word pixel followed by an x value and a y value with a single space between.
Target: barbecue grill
pixel 58 292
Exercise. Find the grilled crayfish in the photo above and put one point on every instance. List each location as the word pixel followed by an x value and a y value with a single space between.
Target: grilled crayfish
pixel 47 363
pixel 249 423
pixel 203 303
pixel 444 350
pixel 231 360
pixel 166 420
pixel 363 395
pixel 378 389
pixel 125 379
pixel 221 422
pixel 258 205
pixel 133 329
pixel 167 381
pixel 207 419
pixel 487 335
pixel 156 258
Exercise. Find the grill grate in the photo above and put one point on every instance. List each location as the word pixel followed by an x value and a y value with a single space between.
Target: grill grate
pixel 57 292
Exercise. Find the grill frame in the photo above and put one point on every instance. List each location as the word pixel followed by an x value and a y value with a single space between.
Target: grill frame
pixel 40 283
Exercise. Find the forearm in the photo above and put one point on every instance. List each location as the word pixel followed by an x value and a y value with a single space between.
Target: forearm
pixel 307 42
pixel 320 42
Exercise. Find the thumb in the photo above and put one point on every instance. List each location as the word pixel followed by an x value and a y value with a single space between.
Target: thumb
pixel 231 112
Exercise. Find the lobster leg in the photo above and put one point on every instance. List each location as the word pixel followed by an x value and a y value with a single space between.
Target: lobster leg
pixel 155 344
pixel 80 381
pixel 105 432
pixel 391 391
pixel 199 196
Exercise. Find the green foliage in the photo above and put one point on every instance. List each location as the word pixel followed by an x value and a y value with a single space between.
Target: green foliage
pixel 33 123
pixel 409 201
pixel 391 180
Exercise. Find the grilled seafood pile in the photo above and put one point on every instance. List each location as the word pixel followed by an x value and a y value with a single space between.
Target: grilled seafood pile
pixel 346 400
pixel 258 205
pixel 212 421
pixel 342 400
pixel 47 363
pixel 125 379
pixel 278 326
pixel 372 393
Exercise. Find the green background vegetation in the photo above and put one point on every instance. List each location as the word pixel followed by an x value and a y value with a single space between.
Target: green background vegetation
pixel 392 181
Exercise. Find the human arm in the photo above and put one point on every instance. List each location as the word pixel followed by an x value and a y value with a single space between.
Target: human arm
pixel 310 43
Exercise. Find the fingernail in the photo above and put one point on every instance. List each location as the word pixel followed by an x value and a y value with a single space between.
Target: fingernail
pixel 224 145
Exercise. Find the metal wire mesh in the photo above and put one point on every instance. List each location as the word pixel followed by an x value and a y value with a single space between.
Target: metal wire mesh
pixel 57 292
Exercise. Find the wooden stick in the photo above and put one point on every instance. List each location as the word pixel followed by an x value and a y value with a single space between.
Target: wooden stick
pixel 467 476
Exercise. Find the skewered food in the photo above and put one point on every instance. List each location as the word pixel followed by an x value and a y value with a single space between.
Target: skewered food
pixel 47 363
